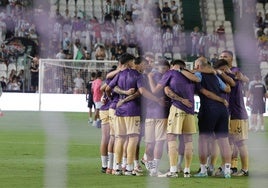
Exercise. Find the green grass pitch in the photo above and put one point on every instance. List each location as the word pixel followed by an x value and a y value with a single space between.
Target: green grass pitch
pixel 55 149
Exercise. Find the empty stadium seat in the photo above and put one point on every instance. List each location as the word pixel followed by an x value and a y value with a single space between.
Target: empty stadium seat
pixel 3 67
pixel 264 65
pixel 259 6
pixel 227 24
pixel 217 23
pixel 209 23
pixel 220 11
pixel 11 66
pixel 229 43
pixel 168 55
pixel 212 17
pixel 177 56
pixel 222 44
pixel 210 29
pixel 20 67
pixel 228 30
pixel 221 17
pixel 220 49
pixel 264 72
pixel 157 55
pixel 3 73
pixel 266 6
pixel 212 50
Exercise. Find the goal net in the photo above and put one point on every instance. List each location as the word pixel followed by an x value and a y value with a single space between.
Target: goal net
pixel 59 75
pixel 58 89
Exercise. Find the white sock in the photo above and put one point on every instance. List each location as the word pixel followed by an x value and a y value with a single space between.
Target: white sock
pixel 186 170
pixel 203 168
pixel 156 162
pixel 124 162
pixel 227 168
pixel 104 160
pixel 136 163
pixel 114 163
pixel 130 167
pixel 173 169
pixel 111 160
pixel 208 161
pixel 144 156
pixel 118 166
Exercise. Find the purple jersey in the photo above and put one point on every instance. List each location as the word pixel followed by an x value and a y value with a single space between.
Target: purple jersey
pixel 236 104
pixel 114 100
pixel 126 79
pixel 155 110
pixel 107 104
pixel 182 86
pixel 235 69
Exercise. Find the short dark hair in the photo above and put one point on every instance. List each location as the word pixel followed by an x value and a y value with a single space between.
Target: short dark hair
pixel 219 63
pixel 114 67
pixel 137 61
pixel 126 57
pixel 163 62
pixel 99 74
pixel 140 60
pixel 93 75
pixel 178 62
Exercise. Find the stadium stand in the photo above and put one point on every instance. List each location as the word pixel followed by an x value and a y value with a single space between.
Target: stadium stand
pixel 208 15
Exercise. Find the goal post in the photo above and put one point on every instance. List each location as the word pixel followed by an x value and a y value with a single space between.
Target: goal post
pixel 56 76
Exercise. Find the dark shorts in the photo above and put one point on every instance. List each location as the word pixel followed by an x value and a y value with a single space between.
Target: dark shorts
pixel 34 81
pixel 90 103
pixel 214 120
pixel 258 108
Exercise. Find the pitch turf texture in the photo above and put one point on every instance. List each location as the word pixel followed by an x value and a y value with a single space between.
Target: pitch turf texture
pixel 47 149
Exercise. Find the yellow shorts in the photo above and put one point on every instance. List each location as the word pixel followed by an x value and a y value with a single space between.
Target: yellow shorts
pixel 111 120
pixel 180 122
pixel 127 125
pixel 104 117
pixel 239 129
pixel 155 130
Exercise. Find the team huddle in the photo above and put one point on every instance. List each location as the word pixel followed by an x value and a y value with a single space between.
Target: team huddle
pixel 156 101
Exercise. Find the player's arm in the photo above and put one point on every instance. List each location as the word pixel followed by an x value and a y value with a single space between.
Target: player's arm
pixel 224 87
pixel 128 98
pixel 249 97
pixel 171 94
pixel 155 88
pixel 144 92
pixel 190 75
pixel 103 87
pixel 208 70
pixel 124 92
pixel 226 78
pixel 108 91
pixel 87 96
pixel 112 74
pixel 213 96
pixel 240 76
